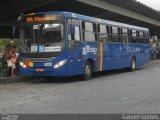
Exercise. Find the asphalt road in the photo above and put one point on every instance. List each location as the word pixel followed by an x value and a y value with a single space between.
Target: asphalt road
pixel 108 92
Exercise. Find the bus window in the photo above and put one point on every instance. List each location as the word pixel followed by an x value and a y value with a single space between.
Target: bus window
pixel 88 27
pixel 103 29
pixel 115 34
pixel 134 36
pixel 89 31
pixel 73 29
pixel 142 38
pixel 124 35
pixel 103 32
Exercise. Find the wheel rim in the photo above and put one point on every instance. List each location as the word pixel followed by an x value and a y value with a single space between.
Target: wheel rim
pixel 88 70
pixel 133 65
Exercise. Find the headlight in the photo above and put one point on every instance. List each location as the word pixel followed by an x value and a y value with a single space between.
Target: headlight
pixel 23 65
pixel 59 64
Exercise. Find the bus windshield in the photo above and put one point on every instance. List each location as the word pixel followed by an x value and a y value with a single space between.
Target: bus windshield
pixel 41 37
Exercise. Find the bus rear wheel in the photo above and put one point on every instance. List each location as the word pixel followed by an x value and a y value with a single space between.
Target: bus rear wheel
pixel 133 64
pixel 88 71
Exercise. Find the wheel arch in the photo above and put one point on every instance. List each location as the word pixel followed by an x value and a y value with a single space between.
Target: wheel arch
pixel 91 61
pixel 134 57
pixel 133 66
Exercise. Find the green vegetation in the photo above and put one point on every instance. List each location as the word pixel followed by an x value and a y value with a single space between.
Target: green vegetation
pixel 5 41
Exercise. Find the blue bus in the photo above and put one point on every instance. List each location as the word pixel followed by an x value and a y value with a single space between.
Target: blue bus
pixel 68 44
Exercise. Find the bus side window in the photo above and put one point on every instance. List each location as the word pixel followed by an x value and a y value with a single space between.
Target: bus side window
pixel 141 37
pixel 134 36
pixel 115 34
pixel 69 32
pixel 125 35
pixel 74 33
pixel 103 32
pixel 73 29
pixel 89 31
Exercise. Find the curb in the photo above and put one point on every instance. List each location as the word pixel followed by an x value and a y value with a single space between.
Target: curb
pixel 17 79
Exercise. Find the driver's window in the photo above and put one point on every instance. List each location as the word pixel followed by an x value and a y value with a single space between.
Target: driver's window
pixel 73 27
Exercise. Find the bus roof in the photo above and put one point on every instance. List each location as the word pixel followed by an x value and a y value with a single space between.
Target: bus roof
pixel 93 19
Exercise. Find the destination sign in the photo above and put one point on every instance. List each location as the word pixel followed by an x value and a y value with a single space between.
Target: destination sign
pixel 39 18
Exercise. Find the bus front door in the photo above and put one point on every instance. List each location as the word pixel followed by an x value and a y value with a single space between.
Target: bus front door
pixel 74 57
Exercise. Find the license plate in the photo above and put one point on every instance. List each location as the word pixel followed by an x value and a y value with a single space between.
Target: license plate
pixel 39 70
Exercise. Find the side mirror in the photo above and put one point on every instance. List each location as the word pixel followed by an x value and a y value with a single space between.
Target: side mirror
pixel 15 23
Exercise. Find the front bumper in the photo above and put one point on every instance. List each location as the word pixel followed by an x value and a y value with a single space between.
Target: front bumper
pixel 43 72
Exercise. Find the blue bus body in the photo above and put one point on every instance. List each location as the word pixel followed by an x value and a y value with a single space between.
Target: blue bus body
pixel 103 55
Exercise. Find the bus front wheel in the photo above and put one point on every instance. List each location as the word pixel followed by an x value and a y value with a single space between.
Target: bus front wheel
pixel 133 64
pixel 88 71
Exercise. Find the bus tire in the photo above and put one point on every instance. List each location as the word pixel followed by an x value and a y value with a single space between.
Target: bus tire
pixel 88 71
pixel 133 64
